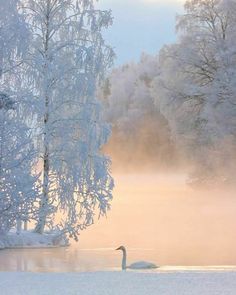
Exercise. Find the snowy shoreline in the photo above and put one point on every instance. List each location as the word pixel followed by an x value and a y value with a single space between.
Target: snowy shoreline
pixel 32 240
pixel 118 283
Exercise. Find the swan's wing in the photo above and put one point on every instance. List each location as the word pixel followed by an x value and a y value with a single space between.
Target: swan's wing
pixel 142 265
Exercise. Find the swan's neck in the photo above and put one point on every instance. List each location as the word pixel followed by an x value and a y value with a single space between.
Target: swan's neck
pixel 124 259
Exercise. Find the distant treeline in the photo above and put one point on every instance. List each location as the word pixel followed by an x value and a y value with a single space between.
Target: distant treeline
pixel 179 107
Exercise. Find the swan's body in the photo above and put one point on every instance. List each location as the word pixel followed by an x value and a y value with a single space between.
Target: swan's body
pixel 142 265
pixel 136 265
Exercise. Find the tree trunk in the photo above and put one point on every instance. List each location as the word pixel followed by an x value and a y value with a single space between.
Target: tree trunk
pixel 44 203
pixel 43 209
pixel 25 225
pixel 18 226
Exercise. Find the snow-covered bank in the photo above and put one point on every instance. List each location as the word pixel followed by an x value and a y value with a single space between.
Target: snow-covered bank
pixel 118 283
pixel 29 239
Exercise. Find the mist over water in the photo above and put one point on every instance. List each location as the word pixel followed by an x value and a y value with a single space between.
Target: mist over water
pixel 179 225
pixel 158 218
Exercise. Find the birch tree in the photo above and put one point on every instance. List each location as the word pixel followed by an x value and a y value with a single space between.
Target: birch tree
pixel 67 58
pixel 197 84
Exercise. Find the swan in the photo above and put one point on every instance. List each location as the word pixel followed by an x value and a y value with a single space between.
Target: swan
pixel 136 265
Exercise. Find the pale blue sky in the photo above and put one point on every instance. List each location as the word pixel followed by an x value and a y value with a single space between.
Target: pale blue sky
pixel 141 26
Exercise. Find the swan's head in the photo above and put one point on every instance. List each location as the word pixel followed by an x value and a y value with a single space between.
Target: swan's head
pixel 122 248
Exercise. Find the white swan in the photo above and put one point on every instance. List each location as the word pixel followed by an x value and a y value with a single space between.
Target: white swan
pixel 136 265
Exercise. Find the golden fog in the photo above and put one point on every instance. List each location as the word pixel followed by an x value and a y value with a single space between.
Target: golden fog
pixel 161 218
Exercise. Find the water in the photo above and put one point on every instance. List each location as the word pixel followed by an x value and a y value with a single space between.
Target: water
pixel 159 219
pixel 70 259
pixel 73 259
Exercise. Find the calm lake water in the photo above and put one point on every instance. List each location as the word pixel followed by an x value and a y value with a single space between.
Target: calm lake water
pixel 81 260
pixel 158 218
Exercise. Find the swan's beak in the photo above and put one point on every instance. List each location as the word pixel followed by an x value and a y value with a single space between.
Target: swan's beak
pixel 118 248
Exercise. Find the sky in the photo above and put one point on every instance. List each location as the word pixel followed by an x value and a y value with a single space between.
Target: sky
pixel 140 26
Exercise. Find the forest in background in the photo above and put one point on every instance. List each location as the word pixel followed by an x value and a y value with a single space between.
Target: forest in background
pixel 177 110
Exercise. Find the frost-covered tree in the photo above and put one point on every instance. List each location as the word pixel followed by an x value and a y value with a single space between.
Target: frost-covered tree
pixel 196 86
pixel 12 31
pixel 18 188
pixel 17 184
pixel 141 136
pixel 67 58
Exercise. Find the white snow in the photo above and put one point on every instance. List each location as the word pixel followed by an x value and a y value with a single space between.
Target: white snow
pixel 29 239
pixel 118 283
